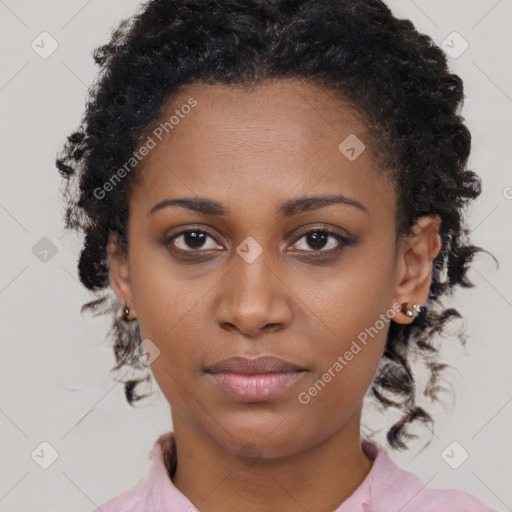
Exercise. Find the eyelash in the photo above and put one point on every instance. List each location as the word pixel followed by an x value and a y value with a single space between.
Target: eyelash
pixel 314 253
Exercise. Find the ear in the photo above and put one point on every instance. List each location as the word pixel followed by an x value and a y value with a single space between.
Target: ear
pixel 120 275
pixel 414 264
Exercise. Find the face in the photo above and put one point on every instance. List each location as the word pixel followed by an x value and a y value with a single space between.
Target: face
pixel 258 271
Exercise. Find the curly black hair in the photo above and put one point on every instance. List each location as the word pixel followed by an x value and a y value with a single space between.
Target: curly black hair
pixel 394 76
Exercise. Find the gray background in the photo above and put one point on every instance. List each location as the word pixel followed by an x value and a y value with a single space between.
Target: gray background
pixel 55 362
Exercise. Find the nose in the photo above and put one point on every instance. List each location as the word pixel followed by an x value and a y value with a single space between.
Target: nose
pixel 254 299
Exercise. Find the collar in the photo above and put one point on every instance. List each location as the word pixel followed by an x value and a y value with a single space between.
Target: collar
pixel 160 493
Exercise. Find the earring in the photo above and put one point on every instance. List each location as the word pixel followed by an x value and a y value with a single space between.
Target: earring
pixel 126 312
pixel 409 311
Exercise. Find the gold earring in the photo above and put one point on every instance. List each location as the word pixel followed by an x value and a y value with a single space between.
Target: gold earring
pixel 409 310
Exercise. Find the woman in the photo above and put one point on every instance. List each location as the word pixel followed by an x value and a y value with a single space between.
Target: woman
pixel 273 190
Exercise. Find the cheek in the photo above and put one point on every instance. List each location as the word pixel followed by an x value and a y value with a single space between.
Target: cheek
pixel 349 300
pixel 162 298
pixel 170 320
pixel 346 366
pixel 352 314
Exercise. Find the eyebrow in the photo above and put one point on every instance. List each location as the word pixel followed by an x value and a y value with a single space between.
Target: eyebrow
pixel 286 209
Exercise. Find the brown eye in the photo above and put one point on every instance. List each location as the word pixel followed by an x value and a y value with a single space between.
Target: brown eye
pixel 321 240
pixel 192 240
pixel 317 240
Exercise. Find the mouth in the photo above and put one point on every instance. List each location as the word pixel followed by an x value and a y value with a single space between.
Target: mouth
pixel 254 380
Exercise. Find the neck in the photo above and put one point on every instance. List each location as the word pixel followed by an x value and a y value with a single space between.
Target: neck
pixel 216 480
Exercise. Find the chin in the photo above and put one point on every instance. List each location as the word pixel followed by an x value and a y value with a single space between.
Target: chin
pixel 269 442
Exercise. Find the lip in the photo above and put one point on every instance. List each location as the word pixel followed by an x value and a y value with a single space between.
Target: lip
pixel 254 380
pixel 246 365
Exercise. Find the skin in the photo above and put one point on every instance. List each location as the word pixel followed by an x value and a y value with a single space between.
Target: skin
pixel 250 151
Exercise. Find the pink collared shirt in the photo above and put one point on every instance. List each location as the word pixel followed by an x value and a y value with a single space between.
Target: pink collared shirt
pixel 386 488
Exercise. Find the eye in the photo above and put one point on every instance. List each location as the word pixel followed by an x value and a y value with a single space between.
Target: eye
pixel 322 240
pixel 192 240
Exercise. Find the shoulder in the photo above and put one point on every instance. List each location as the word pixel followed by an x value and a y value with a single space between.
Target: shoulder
pixel 128 501
pixel 394 489
pixel 454 499
pixel 152 492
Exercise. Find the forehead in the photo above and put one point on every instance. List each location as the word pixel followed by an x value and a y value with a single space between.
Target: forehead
pixel 225 115
pixel 264 144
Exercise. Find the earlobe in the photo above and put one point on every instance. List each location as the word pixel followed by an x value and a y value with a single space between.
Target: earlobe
pixel 120 274
pixel 415 266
